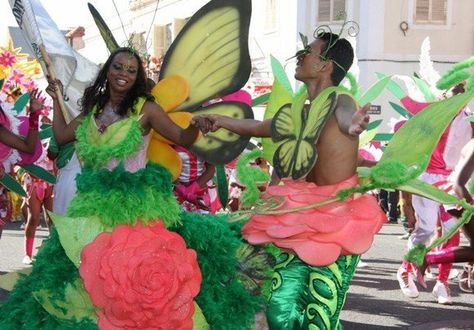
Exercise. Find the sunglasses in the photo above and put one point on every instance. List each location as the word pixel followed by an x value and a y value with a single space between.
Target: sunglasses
pixel 120 67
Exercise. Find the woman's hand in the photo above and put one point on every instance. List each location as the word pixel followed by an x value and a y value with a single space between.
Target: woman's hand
pixel 53 86
pixel 36 101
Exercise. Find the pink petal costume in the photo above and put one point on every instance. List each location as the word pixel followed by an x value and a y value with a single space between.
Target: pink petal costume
pixel 320 235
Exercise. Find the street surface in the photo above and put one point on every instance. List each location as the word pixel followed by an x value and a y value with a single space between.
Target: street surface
pixel 374 300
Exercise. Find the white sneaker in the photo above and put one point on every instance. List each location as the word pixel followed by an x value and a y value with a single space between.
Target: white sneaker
pixel 27 260
pixel 407 285
pixel 441 292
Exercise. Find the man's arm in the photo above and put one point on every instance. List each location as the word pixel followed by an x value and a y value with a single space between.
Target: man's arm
pixel 242 127
pixel 351 120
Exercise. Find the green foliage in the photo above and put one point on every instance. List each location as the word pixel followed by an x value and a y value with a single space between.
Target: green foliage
pixel 374 91
pixel 21 102
pixel 423 131
pixel 39 172
pixel 250 177
pixel 76 305
pixel 11 184
pixel 76 233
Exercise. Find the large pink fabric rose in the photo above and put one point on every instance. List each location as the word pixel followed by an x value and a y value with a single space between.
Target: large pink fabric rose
pixel 319 235
pixel 141 278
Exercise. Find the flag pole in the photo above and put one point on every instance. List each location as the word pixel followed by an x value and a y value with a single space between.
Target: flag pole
pixel 50 71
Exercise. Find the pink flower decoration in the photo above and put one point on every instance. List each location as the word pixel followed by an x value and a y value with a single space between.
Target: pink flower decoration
pixel 17 76
pixel 141 278
pixel 319 235
pixel 7 59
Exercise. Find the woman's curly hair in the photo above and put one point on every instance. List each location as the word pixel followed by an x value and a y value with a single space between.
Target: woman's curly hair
pixel 99 93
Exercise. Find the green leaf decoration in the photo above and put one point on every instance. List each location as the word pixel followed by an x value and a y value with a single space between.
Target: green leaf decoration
pixel 75 233
pixel 103 29
pixel 355 88
pixel 21 102
pixel 46 133
pixel 8 280
pixel 250 177
pixel 382 137
pixel 76 305
pixel 370 133
pixel 279 74
pixel 260 99
pixel 211 52
pixel 278 97
pixel 470 118
pixel 1 83
pixel 424 189
pixel 65 154
pixel 374 91
pixel 423 131
pixel 425 90
pixel 374 124
pixel 39 172
pixel 298 130
pixel 222 185
pixel 199 321
pixel 222 146
pixel 401 110
pixel 393 87
pixel 11 184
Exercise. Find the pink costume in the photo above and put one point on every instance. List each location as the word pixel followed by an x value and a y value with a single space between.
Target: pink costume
pixel 319 235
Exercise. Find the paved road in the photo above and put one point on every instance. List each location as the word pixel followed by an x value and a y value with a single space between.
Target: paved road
pixel 374 301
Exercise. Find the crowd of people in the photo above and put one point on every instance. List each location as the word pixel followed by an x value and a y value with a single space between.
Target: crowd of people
pixel 143 262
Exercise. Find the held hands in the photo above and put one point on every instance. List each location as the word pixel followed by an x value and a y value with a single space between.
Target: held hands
pixel 360 120
pixel 206 123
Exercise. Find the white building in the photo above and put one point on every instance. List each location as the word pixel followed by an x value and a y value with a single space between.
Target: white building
pixel 391 31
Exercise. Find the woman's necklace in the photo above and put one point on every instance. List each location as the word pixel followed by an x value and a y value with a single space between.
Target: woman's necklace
pixel 107 117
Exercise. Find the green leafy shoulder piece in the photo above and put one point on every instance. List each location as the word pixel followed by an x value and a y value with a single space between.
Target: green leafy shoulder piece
pixel 297 131
pixel 281 94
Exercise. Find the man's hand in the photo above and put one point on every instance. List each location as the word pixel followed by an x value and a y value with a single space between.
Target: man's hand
pixel 360 120
pixel 206 123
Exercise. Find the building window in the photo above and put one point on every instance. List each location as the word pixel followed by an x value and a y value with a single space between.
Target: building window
pixel 430 11
pixel 331 10
pixel 270 15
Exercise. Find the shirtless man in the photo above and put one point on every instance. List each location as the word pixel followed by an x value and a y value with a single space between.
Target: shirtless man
pixel 316 247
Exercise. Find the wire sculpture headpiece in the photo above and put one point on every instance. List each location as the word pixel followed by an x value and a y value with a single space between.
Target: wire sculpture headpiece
pixel 351 27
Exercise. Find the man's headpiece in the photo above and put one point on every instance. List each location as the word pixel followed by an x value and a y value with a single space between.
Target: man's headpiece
pixel 351 27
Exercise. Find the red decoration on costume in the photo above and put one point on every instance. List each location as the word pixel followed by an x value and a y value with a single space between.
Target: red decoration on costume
pixel 319 235
pixel 141 277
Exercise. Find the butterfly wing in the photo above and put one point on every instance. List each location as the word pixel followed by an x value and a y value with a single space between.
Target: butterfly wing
pixel 222 146
pixel 296 156
pixel 211 52
pixel 104 30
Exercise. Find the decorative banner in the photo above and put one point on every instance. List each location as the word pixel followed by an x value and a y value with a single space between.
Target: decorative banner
pixel 75 71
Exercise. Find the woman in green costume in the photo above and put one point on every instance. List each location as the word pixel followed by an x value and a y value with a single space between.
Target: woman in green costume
pixel 112 263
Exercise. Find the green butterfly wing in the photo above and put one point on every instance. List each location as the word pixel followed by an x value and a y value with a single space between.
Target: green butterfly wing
pixel 104 30
pixel 282 126
pixel 298 130
pixel 222 146
pixel 211 52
